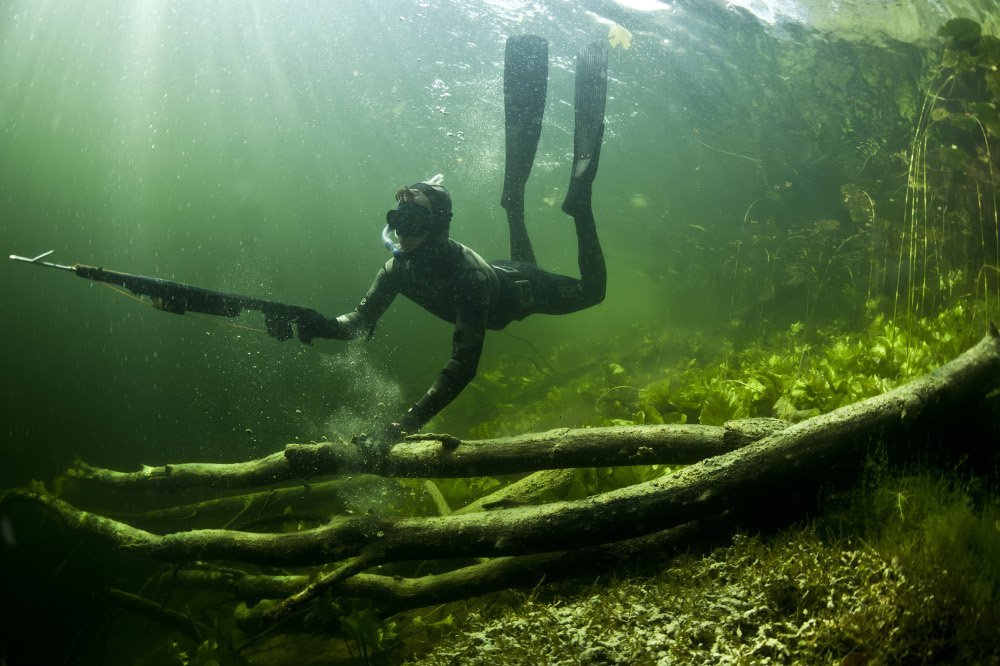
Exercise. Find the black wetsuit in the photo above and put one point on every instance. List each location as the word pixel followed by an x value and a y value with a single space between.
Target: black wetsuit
pixel 451 281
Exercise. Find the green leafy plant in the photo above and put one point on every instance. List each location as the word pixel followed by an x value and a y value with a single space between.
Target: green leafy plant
pixel 374 635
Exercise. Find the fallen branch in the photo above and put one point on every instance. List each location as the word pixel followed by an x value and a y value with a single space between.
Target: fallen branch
pixel 395 593
pixel 352 566
pixel 158 613
pixel 317 500
pixel 529 490
pixel 670 444
pixel 265 471
pixel 437 497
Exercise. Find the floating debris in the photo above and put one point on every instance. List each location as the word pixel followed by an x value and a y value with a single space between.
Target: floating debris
pixel 619 37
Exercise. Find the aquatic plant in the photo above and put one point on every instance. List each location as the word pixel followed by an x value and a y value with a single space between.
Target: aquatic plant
pixel 861 583
pixel 895 200
pixel 372 633
pixel 951 228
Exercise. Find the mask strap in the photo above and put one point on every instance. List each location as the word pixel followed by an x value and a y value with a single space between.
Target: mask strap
pixel 429 192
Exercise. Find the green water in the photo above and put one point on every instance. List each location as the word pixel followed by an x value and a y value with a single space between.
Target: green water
pixel 254 147
pixel 251 148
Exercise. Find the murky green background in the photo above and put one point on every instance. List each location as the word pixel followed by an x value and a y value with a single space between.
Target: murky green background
pixel 254 147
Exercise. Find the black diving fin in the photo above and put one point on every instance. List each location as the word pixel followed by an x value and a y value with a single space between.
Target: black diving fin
pixel 525 77
pixel 591 96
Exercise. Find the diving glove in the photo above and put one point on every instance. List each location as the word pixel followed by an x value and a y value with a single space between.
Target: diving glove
pixel 314 325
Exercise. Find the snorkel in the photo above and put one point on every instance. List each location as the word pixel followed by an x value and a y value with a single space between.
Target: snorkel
pixel 391 245
pixel 412 209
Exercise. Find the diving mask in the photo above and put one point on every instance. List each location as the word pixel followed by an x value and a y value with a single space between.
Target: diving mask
pixel 409 219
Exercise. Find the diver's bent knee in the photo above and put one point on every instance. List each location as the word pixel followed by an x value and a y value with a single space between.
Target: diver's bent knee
pixel 596 296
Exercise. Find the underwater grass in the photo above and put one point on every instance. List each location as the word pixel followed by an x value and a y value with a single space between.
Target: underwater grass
pixel 904 571
pixel 951 180
pixel 793 374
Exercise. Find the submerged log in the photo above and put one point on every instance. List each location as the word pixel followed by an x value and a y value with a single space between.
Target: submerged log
pixel 447 457
pixel 785 460
pixel 529 490
pixel 395 593
pixel 265 471
pixel 303 501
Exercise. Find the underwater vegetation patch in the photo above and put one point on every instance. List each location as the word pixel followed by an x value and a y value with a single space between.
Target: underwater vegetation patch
pixel 792 374
pixel 906 571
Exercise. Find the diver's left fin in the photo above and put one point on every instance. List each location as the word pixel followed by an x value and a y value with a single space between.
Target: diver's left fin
pixel 591 97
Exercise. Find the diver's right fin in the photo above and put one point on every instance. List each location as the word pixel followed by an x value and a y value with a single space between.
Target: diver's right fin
pixel 525 76
pixel 591 97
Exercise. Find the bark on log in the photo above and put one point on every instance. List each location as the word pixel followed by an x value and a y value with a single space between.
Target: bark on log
pixel 264 471
pixel 524 491
pixel 393 594
pixel 440 503
pixel 318 501
pixel 556 449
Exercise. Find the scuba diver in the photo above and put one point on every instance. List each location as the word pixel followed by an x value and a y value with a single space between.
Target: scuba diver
pixel 450 280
